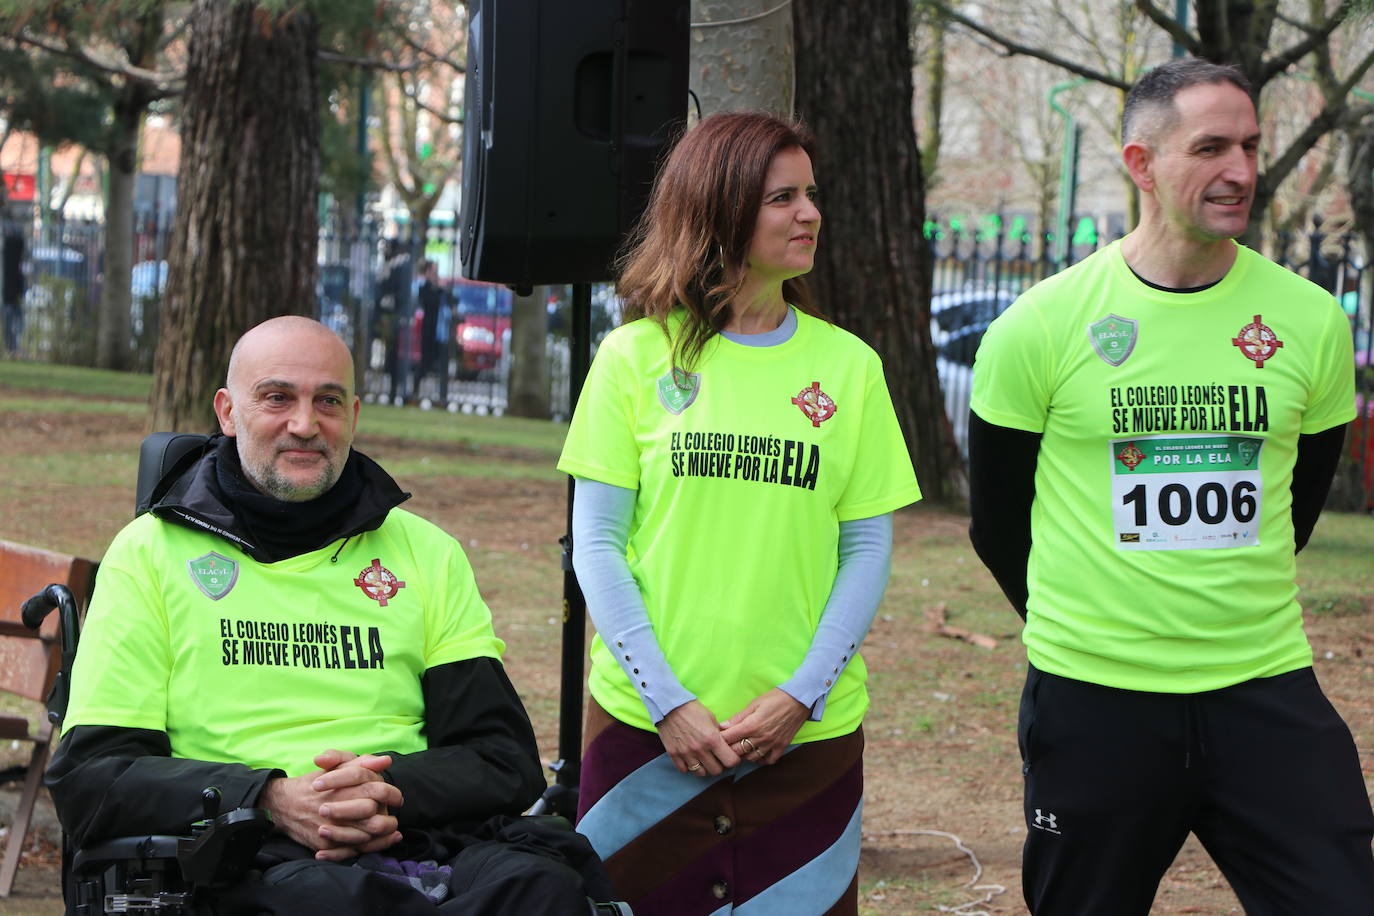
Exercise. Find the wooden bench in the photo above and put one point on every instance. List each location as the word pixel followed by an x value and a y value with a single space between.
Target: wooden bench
pixel 29 661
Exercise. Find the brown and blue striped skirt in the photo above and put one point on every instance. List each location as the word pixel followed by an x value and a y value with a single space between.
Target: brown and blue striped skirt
pixel 753 841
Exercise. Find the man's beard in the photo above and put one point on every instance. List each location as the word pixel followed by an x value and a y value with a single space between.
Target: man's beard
pixel 269 480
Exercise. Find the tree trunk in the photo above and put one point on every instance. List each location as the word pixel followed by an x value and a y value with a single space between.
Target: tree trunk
pixel 529 361
pixel 244 239
pixel 934 64
pixel 114 329
pixel 1348 490
pixel 1236 32
pixel 873 265
pixel 142 43
pixel 743 66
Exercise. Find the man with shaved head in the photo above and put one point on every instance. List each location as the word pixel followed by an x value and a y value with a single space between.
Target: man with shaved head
pixel 1152 437
pixel 277 627
pixel 297 463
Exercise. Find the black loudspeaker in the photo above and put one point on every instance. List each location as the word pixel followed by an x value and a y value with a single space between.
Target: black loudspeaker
pixel 569 106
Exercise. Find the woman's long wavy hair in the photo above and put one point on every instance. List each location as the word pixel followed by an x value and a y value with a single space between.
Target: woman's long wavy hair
pixel 691 246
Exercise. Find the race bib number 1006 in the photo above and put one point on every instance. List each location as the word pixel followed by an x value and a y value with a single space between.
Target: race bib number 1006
pixel 1186 492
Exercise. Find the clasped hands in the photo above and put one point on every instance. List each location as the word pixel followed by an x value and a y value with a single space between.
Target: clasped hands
pixel 698 743
pixel 341 810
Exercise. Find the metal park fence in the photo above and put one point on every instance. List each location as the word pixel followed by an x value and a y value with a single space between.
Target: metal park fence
pixel 459 357
pixel 979 270
pixel 368 290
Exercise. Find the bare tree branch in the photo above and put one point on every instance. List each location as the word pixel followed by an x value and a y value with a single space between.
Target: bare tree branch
pixel 426 56
pixel 161 84
pixel 1336 109
pixel 1301 26
pixel 434 56
pixel 1170 25
pixel 1298 214
pixel 1285 59
pixel 1012 48
pixel 368 63
pixel 442 116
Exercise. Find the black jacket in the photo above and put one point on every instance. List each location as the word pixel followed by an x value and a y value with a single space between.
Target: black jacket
pixel 482 759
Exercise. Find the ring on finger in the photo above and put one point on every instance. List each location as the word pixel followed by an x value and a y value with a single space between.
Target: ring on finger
pixel 747 745
pixel 694 767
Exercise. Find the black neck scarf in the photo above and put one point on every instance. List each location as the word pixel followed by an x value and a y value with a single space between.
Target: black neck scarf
pixel 287 529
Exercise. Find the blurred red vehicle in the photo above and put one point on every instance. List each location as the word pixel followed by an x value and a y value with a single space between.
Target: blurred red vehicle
pixel 479 321
pixel 480 340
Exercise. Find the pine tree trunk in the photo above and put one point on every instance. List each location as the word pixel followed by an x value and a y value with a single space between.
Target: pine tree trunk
pixel 244 240
pixel 747 65
pixel 114 330
pixel 529 361
pixel 872 271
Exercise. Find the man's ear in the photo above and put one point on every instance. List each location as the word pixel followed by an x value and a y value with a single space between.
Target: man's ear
pixel 224 411
pixel 1139 161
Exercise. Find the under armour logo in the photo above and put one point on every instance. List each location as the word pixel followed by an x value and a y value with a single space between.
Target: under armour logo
pixel 1046 821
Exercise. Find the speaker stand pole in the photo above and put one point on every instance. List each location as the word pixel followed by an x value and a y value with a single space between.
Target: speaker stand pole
pixel 561 797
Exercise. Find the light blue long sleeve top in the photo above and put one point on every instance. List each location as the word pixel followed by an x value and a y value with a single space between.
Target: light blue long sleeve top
pixel 602 514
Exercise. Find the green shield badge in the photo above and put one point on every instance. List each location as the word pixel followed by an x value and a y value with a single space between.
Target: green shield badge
pixel 1248 449
pixel 1114 338
pixel 213 574
pixel 678 389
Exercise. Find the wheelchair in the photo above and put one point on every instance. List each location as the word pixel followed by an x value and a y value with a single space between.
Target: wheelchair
pixel 166 875
pixel 145 874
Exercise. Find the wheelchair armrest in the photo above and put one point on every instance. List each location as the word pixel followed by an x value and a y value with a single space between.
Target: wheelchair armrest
pixel 218 852
pixel 125 848
pixel 224 849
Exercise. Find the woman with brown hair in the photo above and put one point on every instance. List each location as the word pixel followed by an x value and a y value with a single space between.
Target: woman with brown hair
pixel 737 461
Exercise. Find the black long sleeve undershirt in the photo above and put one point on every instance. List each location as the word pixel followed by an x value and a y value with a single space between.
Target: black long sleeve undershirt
pixel 1002 464
pixel 1001 485
pixel 1313 471
pixel 482 760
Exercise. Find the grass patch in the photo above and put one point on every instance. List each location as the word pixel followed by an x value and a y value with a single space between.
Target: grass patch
pixel 1335 575
pixel 70 405
pixel 1337 606
pixel 72 468
pixel 919 893
pixel 941 745
pixel 47 389
pixel 408 424
pixel 470 467
pixel 51 378
pixel 72 389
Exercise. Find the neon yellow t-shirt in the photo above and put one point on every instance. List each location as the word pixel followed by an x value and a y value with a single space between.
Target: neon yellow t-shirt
pixel 1162 554
pixel 744 470
pixel 270 664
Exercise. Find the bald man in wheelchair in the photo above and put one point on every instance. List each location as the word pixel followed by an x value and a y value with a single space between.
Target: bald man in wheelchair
pixel 275 626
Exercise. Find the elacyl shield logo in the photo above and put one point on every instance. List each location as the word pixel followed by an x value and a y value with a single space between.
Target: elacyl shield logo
pixel 378 582
pixel 1113 338
pixel 213 574
pixel 1257 341
pixel 678 389
pixel 1247 448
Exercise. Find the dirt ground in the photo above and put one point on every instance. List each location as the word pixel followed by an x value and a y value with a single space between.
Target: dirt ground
pixel 941 757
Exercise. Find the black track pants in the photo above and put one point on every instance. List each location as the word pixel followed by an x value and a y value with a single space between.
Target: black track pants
pixel 1264 772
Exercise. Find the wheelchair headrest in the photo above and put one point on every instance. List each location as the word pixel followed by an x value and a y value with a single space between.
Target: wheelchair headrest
pixel 161 460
